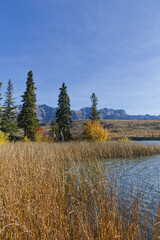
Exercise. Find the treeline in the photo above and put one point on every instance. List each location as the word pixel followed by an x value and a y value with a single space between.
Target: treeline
pixel 27 120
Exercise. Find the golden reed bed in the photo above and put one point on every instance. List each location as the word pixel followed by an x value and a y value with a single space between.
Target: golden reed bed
pixel 59 191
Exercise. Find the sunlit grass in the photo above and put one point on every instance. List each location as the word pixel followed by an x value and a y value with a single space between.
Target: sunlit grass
pixel 120 128
pixel 59 191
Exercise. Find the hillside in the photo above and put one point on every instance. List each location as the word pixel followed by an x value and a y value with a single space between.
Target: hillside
pixel 133 129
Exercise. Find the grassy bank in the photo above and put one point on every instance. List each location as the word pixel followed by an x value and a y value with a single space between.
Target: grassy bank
pixel 133 129
pixel 47 192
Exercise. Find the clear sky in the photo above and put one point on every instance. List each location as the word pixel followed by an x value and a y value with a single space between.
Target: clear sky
pixel 110 47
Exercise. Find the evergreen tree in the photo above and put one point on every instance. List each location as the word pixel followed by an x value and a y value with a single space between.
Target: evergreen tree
pixel 9 118
pixel 64 115
pixel 94 112
pixel 0 106
pixel 27 118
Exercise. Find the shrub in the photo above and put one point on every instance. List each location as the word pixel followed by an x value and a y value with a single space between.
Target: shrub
pixel 26 139
pixel 40 135
pixel 125 139
pixel 95 131
pixel 4 137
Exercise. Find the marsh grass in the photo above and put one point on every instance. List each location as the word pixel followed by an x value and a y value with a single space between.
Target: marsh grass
pixel 59 191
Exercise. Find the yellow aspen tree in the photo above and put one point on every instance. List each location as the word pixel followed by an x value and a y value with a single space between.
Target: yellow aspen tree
pixel 95 131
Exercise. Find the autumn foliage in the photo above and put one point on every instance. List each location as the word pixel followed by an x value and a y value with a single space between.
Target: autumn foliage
pixel 95 131
pixel 40 135
pixel 4 137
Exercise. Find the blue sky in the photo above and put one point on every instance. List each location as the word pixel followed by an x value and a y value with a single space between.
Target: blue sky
pixel 110 47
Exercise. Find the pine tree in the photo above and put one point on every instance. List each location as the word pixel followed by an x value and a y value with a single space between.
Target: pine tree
pixel 27 118
pixel 9 118
pixel 94 112
pixel 64 114
pixel 0 106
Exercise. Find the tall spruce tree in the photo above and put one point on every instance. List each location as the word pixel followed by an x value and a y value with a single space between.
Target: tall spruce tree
pixel 64 114
pixel 94 112
pixel 9 118
pixel 0 106
pixel 27 118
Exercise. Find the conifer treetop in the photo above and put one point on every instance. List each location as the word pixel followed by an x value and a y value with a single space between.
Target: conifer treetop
pixel 28 118
pixel 94 112
pixel 9 118
pixel 64 114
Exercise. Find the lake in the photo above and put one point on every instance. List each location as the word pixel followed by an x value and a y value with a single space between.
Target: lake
pixel 137 176
pixel 149 142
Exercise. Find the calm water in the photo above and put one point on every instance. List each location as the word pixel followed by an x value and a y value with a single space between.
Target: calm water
pixel 149 142
pixel 143 174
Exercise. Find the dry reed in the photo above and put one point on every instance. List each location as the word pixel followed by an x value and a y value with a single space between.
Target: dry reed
pixel 47 192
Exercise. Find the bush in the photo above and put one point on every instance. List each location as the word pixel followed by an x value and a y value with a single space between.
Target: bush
pixel 26 139
pixel 125 139
pixel 95 131
pixel 4 137
pixel 41 135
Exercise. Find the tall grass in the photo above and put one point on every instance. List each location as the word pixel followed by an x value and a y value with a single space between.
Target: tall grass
pixel 59 191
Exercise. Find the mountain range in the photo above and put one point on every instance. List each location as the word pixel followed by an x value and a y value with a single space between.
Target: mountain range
pixel 46 114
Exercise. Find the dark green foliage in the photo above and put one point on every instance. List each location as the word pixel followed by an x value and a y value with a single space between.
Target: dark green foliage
pixel 27 118
pixel 64 115
pixel 94 112
pixel 9 118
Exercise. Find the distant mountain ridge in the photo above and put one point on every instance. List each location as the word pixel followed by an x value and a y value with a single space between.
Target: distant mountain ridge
pixel 46 114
